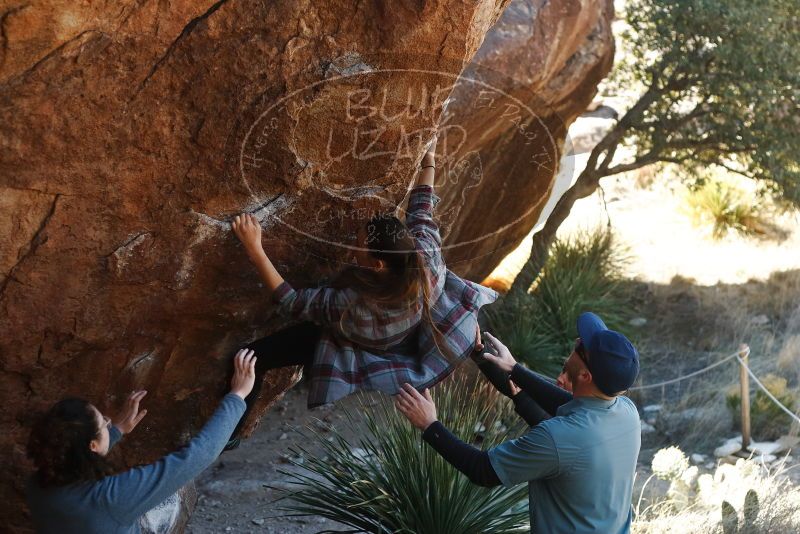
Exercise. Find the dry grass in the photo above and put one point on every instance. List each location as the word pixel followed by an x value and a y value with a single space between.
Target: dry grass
pixel 695 503
pixel 696 326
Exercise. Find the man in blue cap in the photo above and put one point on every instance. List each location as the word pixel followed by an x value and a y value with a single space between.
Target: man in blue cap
pixel 579 464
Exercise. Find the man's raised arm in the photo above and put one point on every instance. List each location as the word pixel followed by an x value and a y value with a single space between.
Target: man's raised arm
pixel 548 395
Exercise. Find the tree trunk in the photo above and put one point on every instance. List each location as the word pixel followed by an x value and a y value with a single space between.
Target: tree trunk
pixel 585 185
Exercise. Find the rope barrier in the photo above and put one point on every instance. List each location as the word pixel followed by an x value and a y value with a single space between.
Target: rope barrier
pixel 690 375
pixel 745 352
pixel 738 355
pixel 766 391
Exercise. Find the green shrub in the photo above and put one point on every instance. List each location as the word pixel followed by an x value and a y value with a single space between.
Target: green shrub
pixel 582 273
pixel 389 481
pixel 767 420
pixel 727 208
pixel 515 323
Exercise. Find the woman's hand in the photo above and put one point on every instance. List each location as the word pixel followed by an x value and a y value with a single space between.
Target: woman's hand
pixel 417 407
pixel 244 373
pixel 130 415
pixel 498 353
pixel 248 230
pixel 430 155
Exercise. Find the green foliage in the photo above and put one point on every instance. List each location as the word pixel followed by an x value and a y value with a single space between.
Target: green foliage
pixel 750 510
pixel 767 420
pixel 516 322
pixel 582 273
pixel 390 481
pixel 727 208
pixel 719 84
pixel 730 520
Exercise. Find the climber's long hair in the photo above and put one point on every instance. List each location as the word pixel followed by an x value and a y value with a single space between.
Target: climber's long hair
pixel 405 280
pixel 59 445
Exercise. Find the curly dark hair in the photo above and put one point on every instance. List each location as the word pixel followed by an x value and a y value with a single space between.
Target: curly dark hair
pixel 59 445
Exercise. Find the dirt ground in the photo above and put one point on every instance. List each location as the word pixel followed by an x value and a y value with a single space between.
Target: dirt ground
pixel 238 493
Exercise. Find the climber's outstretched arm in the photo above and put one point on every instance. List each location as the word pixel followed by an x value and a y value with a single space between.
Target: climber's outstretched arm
pixel 428 166
pixel 248 230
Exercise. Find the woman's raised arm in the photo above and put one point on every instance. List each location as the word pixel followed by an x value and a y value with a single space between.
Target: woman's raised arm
pixel 132 493
pixel 248 230
pixel 428 173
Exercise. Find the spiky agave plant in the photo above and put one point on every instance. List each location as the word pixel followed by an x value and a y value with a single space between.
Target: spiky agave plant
pixel 583 273
pixel 388 481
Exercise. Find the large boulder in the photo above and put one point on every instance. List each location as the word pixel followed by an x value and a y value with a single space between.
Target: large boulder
pixel 536 72
pixel 132 132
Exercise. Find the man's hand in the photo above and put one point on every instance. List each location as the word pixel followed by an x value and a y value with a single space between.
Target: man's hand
pixel 503 359
pixel 514 388
pixel 244 373
pixel 417 407
pixel 248 230
pixel 130 415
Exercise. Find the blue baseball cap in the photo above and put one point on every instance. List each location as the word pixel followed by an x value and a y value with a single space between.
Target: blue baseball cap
pixel 613 360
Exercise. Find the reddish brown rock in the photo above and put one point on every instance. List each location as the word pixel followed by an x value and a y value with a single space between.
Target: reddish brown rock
pixel 131 133
pixel 125 133
pixel 539 68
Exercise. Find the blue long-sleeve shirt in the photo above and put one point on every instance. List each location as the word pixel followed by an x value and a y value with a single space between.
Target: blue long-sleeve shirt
pixel 114 504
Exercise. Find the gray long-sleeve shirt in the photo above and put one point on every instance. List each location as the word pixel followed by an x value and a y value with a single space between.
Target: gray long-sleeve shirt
pixel 114 504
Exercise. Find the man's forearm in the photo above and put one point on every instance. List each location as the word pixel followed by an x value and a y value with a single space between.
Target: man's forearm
pixel 547 395
pixel 529 409
pixel 473 462
pixel 498 378
pixel 524 405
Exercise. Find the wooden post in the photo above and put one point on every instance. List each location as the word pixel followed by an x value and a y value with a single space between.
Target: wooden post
pixel 744 382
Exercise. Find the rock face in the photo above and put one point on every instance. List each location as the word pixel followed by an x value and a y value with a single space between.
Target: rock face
pixel 131 133
pixel 538 70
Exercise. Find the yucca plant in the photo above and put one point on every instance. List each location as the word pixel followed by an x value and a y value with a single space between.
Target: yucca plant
pixel 727 208
pixel 389 481
pixel 582 273
pixel 516 322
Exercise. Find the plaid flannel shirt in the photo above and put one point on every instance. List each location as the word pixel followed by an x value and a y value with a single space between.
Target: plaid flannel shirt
pixel 366 347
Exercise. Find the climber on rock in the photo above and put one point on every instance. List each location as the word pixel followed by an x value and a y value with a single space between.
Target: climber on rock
pixel 398 316
pixel 74 490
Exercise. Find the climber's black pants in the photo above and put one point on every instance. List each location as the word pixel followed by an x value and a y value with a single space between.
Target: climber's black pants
pixel 294 345
pixel 291 346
